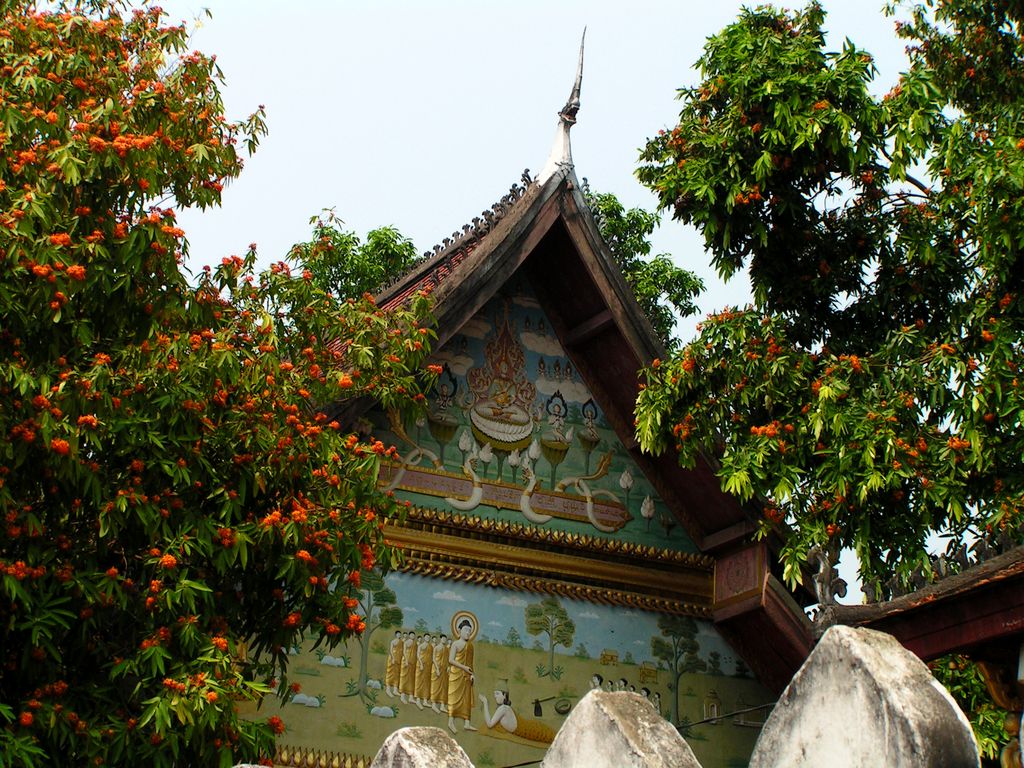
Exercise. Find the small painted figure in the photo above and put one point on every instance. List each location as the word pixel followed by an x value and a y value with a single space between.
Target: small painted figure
pixel 407 678
pixel 461 678
pixel 506 720
pixel 393 666
pixel 439 675
pixel 423 663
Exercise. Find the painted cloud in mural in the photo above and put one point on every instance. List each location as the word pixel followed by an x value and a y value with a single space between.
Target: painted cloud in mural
pixel 459 363
pixel 573 391
pixel 448 594
pixel 514 602
pixel 542 344
pixel 524 300
pixel 476 327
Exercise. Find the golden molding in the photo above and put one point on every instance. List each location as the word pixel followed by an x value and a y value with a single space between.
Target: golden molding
pixel 519 583
pixel 681 583
pixel 306 757
pixel 534 535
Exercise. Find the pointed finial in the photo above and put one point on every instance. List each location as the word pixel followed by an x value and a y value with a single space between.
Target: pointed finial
pixel 561 151
pixel 572 106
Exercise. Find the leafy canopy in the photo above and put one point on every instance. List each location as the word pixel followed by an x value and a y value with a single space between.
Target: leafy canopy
pixel 176 509
pixel 872 393
pixel 664 291
pixel 342 264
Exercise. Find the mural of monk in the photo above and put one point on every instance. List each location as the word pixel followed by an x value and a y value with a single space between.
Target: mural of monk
pixel 407 677
pixel 424 660
pixel 393 666
pixel 439 675
pixel 460 676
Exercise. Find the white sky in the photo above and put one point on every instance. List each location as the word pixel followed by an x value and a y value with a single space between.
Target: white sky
pixel 420 115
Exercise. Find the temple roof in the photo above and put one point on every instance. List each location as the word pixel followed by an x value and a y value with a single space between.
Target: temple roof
pixel 543 230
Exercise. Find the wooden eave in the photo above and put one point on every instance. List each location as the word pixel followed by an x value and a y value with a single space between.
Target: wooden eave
pixel 979 611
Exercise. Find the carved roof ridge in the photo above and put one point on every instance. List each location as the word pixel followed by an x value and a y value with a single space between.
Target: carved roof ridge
pixel 1008 564
pixel 469 234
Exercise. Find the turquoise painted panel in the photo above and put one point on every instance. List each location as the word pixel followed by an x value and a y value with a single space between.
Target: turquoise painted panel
pixel 513 433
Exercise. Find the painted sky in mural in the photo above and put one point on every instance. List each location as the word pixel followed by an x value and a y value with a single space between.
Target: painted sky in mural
pixel 513 432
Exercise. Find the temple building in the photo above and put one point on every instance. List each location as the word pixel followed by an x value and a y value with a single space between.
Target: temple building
pixel 544 553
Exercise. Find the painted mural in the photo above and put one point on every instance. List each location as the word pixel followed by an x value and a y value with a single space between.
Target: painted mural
pixel 514 433
pixel 501 670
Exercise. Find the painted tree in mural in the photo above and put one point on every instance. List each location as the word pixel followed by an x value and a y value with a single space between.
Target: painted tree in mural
pixel 872 394
pixel 715 663
pixel 664 291
pixel 513 639
pixel 678 648
pixel 344 265
pixel 177 513
pixel 378 604
pixel 549 618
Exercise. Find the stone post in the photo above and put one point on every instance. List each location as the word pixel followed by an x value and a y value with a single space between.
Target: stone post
pixel 862 699
pixel 617 730
pixel 420 747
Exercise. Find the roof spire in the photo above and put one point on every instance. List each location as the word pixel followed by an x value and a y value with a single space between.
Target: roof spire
pixel 561 151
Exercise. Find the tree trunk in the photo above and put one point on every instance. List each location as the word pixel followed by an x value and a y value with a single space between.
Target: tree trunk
pixel 551 654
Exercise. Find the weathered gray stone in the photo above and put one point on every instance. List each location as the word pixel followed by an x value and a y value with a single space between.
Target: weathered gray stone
pixel 617 730
pixel 420 747
pixel 863 699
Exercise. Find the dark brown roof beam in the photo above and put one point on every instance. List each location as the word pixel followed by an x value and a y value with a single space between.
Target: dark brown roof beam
pixel 588 329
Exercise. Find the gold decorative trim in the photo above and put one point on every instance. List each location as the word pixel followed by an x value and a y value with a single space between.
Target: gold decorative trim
pixel 519 583
pixel 306 757
pixel 674 583
pixel 418 516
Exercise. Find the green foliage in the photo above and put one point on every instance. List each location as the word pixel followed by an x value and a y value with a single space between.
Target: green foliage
pixel 664 291
pixel 963 680
pixel 341 264
pixel 872 394
pixel 513 639
pixel 177 510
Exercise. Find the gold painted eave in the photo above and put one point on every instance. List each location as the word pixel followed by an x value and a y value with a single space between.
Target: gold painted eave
pixel 688 584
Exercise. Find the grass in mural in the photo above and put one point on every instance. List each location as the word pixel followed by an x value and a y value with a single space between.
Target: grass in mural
pixel 357 724
pixel 310 671
pixel 348 730
pixel 555 673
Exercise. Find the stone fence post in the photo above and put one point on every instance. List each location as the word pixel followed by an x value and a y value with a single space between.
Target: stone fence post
pixel 420 748
pixel 863 699
pixel 860 699
pixel 617 730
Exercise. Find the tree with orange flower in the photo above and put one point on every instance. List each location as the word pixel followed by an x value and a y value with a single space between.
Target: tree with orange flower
pixel 872 395
pixel 177 508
